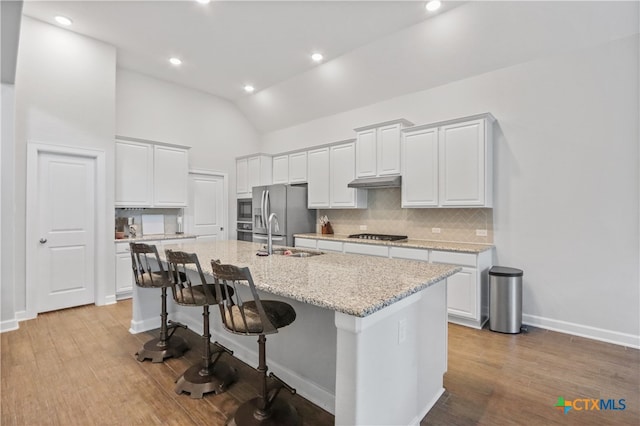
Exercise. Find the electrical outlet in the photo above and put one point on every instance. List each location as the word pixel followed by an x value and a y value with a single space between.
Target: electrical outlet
pixel 435 230
pixel 363 227
pixel 481 232
pixel 402 330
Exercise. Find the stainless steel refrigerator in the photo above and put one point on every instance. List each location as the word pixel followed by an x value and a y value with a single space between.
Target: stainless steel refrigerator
pixel 289 203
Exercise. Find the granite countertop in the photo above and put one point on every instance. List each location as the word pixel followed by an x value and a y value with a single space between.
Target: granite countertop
pixel 421 244
pixel 353 284
pixel 154 237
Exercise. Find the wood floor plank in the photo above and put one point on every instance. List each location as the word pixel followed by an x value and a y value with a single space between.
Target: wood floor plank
pixel 78 367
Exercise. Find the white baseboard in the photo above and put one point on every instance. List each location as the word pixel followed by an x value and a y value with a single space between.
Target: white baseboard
pixel 609 336
pixel 9 325
pixel 110 300
pixel 309 390
pixel 146 325
pixel 23 316
pixel 416 421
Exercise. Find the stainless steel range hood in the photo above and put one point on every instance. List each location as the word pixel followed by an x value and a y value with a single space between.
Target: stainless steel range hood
pixel 376 182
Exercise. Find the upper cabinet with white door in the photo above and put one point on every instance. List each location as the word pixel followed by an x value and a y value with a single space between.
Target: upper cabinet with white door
pixel 448 164
pixel 330 170
pixel 150 175
pixel 290 168
pixel 378 148
pixel 318 177
pixel 341 172
pixel 252 171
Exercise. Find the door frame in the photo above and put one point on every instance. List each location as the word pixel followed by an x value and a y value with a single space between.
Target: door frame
pixel 34 149
pixel 225 194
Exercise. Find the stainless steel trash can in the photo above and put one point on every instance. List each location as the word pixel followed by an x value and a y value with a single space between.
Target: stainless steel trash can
pixel 505 299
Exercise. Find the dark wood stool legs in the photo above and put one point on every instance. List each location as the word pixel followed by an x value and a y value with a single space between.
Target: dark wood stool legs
pixel 209 376
pixel 266 409
pixel 167 345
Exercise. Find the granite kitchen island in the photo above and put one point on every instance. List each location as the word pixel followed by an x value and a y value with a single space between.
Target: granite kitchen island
pixel 369 343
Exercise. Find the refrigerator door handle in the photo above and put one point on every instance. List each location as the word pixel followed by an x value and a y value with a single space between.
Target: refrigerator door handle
pixel 267 204
pixel 262 225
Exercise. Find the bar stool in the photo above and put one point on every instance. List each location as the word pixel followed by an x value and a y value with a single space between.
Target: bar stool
pixel 167 345
pixel 210 375
pixel 256 318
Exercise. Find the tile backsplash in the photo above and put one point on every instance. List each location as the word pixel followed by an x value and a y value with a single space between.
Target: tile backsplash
pixel 385 216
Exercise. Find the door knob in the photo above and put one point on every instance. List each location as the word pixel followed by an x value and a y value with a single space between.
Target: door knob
pixel 43 240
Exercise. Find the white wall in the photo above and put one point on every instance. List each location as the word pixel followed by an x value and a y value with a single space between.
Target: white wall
pixel 214 128
pixel 566 177
pixel 65 95
pixel 7 308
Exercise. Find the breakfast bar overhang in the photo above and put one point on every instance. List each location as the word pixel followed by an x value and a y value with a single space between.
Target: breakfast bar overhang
pixel 370 340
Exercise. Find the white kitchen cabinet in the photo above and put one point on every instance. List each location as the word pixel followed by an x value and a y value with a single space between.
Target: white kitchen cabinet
pixel 467 290
pixel 281 169
pixel 242 178
pixel 252 171
pixel 368 249
pixel 378 149
pixel 448 164
pixel 134 174
pixel 124 271
pixel 409 253
pixel 462 293
pixel 298 167
pixel 306 243
pixel 341 172
pixel 150 175
pixel 465 164
pixel 290 168
pixel 326 245
pixel 420 168
pixel 318 179
pixel 170 176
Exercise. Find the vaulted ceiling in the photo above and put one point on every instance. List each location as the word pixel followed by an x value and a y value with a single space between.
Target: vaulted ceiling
pixel 373 50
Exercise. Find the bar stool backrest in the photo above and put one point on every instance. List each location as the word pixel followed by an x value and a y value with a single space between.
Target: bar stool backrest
pixel 236 317
pixel 185 292
pixel 144 275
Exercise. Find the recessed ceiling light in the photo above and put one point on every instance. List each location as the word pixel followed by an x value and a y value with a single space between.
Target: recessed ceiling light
pixel 433 5
pixel 63 20
pixel 204 1
pixel 317 57
pixel 249 88
pixel 175 61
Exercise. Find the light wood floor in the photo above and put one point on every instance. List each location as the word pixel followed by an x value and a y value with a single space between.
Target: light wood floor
pixel 77 367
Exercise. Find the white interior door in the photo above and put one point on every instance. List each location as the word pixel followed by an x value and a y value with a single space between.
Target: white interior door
pixel 205 212
pixel 66 212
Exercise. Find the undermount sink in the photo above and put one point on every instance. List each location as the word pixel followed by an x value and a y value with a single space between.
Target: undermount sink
pixel 296 252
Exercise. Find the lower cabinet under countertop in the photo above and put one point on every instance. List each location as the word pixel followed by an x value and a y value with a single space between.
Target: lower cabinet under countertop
pixel 467 290
pixel 124 270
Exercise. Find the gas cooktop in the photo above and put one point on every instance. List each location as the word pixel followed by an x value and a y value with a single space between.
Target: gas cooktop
pixel 379 237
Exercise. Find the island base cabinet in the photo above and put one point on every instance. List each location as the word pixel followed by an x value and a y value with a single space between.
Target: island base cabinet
pixel 390 365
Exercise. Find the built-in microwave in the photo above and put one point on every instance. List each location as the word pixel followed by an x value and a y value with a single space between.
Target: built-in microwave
pixel 244 210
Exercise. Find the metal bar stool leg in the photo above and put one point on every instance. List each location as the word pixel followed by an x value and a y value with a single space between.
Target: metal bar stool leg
pixel 207 376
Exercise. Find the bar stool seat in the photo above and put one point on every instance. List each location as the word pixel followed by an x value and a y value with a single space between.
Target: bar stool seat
pixel 280 314
pixel 256 318
pixel 211 375
pixel 167 345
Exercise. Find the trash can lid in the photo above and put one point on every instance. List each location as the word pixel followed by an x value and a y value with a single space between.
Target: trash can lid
pixel 503 271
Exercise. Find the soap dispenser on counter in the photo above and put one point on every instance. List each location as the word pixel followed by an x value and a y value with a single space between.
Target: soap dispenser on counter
pixel 179 221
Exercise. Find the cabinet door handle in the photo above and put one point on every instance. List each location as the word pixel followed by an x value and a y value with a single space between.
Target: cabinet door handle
pixel 43 240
